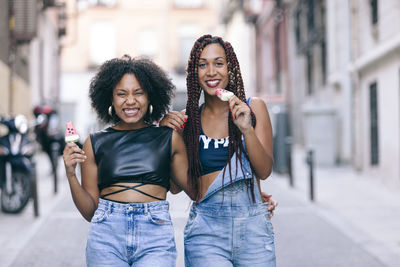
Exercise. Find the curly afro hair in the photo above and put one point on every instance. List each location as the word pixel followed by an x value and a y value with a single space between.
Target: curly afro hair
pixel 153 80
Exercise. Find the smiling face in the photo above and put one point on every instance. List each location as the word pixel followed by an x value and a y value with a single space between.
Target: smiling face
pixel 213 68
pixel 130 102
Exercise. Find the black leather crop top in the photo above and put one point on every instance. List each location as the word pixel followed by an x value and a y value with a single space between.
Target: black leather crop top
pixel 139 156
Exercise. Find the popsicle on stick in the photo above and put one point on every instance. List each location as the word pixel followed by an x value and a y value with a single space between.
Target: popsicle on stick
pixel 223 94
pixel 71 136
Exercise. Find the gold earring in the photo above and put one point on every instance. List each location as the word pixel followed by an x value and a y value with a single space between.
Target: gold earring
pixel 150 109
pixel 110 110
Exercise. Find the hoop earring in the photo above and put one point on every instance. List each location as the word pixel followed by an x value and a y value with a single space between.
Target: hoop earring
pixel 150 109
pixel 110 110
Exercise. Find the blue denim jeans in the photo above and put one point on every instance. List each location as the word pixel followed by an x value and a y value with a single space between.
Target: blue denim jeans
pixel 132 234
pixel 228 229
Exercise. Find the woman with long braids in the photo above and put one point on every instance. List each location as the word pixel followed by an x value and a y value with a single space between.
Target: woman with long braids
pixel 229 147
pixel 126 168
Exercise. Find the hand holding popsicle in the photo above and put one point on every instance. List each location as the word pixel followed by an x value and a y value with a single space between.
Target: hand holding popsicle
pixel 72 153
pixel 71 136
pixel 223 94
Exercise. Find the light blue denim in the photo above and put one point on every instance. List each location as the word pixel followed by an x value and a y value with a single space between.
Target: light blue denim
pixel 227 228
pixel 132 234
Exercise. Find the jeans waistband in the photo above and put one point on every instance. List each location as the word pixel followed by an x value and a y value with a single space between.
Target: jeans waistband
pixel 139 208
pixel 230 210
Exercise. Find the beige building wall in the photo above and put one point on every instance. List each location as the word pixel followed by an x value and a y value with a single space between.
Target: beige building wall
pixel 164 30
pixel 154 28
pixel 20 90
pixel 4 88
pixel 185 26
pixel 21 97
pixel 123 25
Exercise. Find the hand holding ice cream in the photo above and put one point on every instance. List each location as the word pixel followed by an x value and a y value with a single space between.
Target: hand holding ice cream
pixel 223 94
pixel 71 136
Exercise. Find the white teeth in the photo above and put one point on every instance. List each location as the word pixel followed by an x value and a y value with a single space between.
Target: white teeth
pixel 131 111
pixel 212 83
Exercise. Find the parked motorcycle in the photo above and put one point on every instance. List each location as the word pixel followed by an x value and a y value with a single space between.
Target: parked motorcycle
pixel 17 168
pixel 49 136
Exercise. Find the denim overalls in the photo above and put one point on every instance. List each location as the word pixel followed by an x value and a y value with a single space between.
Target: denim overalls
pixel 226 228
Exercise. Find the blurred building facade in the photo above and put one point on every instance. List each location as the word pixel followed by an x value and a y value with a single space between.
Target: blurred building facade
pixel 346 66
pixel 375 71
pixel 164 30
pixel 258 32
pixel 240 32
pixel 335 66
pixel 29 53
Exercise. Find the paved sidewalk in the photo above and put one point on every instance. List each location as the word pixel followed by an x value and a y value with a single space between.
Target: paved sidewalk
pixel 354 222
pixel 364 209
pixel 53 238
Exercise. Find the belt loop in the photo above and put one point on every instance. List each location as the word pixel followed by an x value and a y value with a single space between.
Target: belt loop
pixel 107 205
pixel 146 209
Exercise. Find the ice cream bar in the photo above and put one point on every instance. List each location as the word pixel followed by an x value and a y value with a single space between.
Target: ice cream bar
pixel 224 95
pixel 70 133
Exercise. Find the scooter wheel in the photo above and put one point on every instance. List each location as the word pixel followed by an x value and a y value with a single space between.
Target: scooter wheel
pixel 16 200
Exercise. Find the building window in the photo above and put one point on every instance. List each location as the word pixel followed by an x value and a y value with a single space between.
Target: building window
pixel 277 46
pixel 186 36
pixel 322 23
pixel 297 29
pixel 84 4
pixel 309 60
pixel 373 104
pixel 374 11
pixel 310 15
pixel 185 44
pixel 323 61
pixel 106 3
pixel 188 4
pixel 147 43
pixel 102 44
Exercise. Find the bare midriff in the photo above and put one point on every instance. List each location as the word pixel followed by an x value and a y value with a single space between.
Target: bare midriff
pixel 206 181
pixel 134 196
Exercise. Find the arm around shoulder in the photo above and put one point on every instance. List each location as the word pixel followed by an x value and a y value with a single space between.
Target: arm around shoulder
pixel 179 164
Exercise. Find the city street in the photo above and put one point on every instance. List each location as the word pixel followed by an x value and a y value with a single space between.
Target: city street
pixel 328 72
pixel 306 234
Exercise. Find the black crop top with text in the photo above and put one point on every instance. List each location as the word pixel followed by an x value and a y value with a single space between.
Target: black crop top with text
pixel 137 156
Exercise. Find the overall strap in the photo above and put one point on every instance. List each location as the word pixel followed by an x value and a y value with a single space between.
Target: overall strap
pixel 248 100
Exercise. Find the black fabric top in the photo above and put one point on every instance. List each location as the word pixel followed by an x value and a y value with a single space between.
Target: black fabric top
pixel 137 156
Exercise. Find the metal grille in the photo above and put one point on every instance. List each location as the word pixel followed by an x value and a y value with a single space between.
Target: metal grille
pixel 49 3
pixel 374 11
pixel 25 17
pixel 373 102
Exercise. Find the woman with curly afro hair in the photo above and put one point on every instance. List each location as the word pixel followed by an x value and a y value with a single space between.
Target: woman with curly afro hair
pixel 126 168
pixel 229 147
